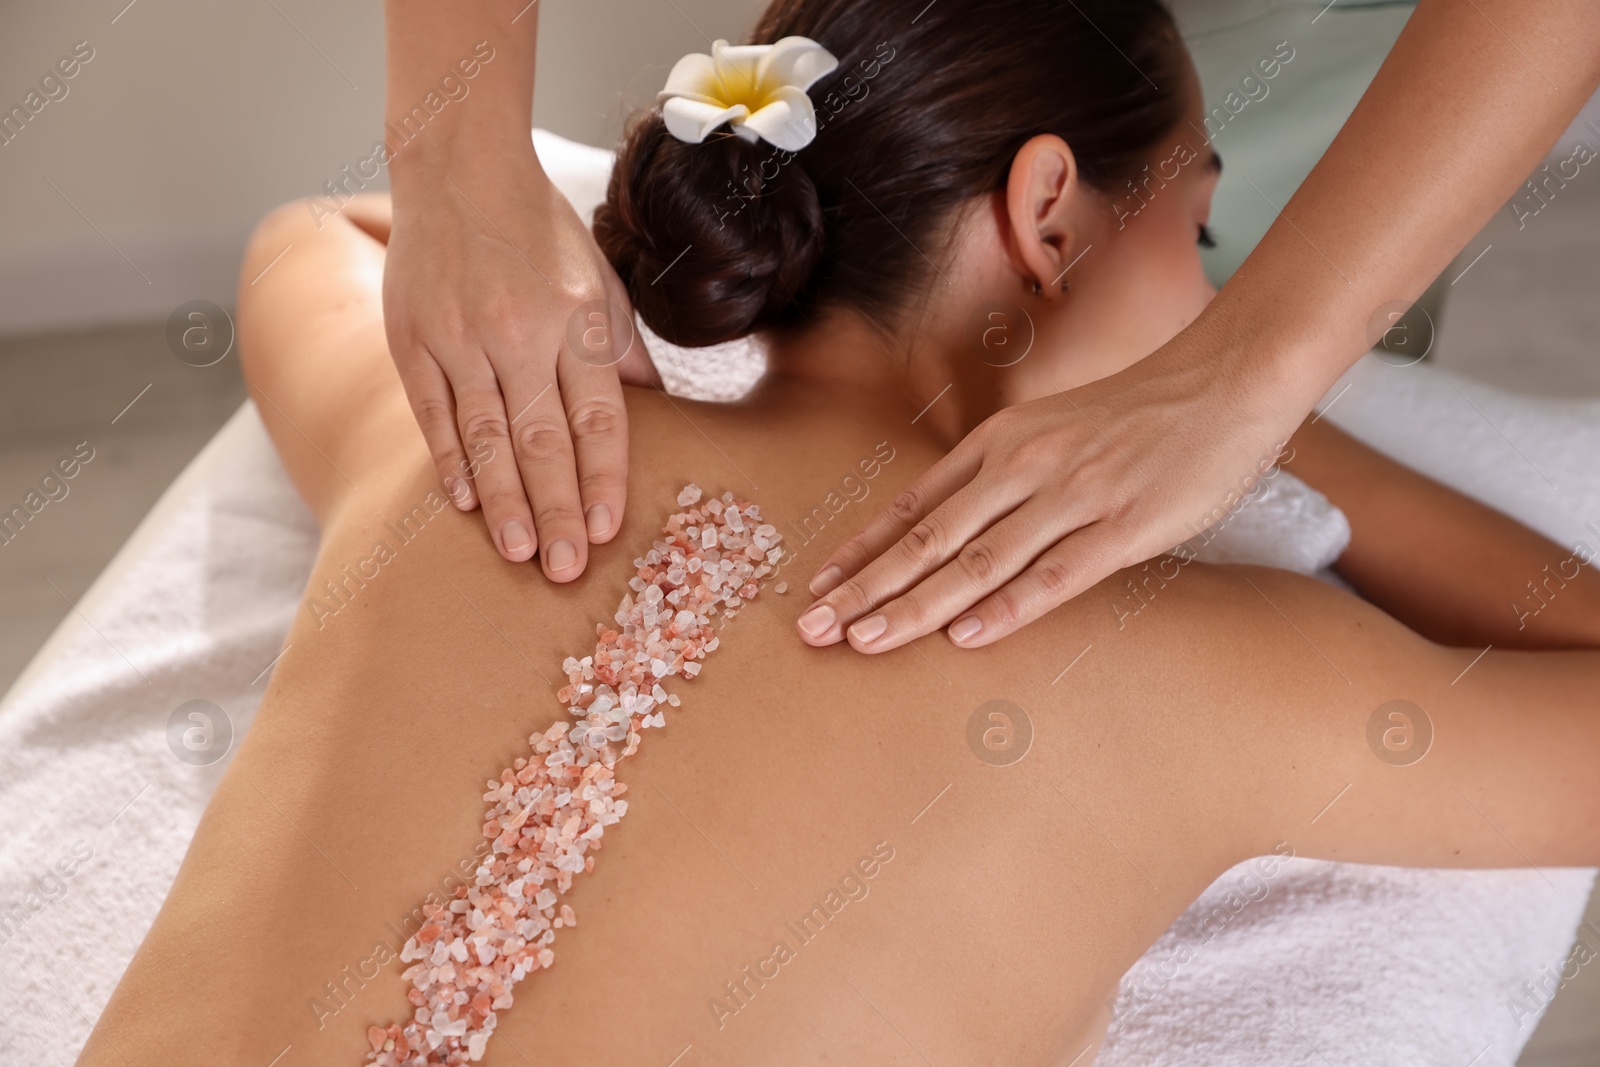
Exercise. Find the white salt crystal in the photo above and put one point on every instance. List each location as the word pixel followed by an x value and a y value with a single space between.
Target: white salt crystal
pixel 689 496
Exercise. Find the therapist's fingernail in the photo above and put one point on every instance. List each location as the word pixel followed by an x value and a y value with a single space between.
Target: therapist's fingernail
pixel 560 555
pixel 598 520
pixel 965 628
pixel 826 579
pixel 869 629
pixel 818 620
pixel 460 493
pixel 515 540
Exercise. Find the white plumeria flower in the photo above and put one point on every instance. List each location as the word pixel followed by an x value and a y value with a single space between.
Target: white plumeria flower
pixel 759 90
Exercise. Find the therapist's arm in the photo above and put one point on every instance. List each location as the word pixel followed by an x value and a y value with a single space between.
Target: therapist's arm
pixel 488 266
pixel 1044 500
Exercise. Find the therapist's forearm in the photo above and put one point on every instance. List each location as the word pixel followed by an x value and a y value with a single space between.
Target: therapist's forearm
pixel 427 40
pixel 1470 99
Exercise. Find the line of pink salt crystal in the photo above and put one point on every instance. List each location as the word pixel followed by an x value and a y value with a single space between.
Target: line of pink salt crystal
pixel 546 813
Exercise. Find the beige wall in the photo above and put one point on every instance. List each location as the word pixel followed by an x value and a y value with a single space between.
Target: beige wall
pixel 196 116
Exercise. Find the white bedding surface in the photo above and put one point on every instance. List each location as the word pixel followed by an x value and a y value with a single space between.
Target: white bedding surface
pixel 1331 964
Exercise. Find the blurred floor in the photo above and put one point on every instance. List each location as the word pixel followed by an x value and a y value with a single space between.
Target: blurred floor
pixel 60 390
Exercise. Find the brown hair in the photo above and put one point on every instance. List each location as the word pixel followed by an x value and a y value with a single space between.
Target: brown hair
pixel 928 106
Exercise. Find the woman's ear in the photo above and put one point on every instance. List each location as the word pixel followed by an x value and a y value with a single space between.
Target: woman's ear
pixel 1044 199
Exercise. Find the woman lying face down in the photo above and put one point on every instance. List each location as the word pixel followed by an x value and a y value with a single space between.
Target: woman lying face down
pixel 823 857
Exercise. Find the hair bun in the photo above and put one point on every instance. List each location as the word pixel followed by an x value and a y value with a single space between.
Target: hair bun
pixel 708 249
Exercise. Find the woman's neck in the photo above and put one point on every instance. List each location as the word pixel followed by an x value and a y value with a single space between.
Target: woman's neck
pixel 939 375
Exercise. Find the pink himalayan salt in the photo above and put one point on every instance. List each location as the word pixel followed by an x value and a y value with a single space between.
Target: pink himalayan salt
pixel 548 811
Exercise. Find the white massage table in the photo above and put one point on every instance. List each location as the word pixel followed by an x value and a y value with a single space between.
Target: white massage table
pixel 1334 965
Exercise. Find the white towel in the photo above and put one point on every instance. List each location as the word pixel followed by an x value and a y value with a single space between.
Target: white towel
pixel 1280 522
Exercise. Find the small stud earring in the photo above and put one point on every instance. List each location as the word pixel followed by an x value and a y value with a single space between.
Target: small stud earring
pixel 1038 289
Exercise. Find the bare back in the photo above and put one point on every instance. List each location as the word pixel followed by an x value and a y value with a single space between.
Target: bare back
pixel 827 857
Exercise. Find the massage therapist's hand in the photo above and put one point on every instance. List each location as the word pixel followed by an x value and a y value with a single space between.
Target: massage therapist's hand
pixel 1044 499
pixel 488 268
